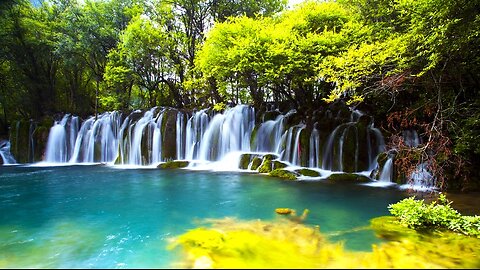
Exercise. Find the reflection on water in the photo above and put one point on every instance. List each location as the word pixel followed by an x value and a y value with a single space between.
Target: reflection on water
pixel 103 217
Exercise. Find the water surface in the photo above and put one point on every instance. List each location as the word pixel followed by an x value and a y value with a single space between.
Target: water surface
pixel 106 217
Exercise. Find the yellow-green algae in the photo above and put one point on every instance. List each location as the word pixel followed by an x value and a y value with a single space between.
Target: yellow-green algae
pixel 20 249
pixel 232 243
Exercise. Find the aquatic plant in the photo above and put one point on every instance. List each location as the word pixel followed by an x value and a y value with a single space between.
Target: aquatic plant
pixel 232 243
pixel 416 214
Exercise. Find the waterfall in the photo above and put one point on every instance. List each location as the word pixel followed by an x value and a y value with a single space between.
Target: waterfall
pixel 410 137
pixel 329 152
pixel 5 154
pixel 228 132
pixel 386 174
pixel 180 129
pixel 152 136
pixel 314 144
pixel 269 135
pixel 157 140
pixel 293 148
pixel 57 145
pixel 196 126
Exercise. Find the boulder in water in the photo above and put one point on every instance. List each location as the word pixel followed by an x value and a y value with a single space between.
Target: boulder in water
pixel 348 177
pixel 285 174
pixel 176 164
pixel 256 162
pixel 308 172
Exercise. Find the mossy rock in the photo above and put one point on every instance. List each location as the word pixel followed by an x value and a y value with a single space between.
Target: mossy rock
pixel 270 157
pixel 266 166
pixel 256 162
pixel 308 172
pixel 173 164
pixel 348 177
pixel 389 228
pixel 279 165
pixel 285 174
pixel 244 161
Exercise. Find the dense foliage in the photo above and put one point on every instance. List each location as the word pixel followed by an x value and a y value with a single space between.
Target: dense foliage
pixel 413 64
pixel 416 214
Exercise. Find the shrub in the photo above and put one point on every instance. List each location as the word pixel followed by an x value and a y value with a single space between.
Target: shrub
pixel 416 214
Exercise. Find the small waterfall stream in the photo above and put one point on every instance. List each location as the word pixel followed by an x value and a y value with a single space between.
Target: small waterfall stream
pixel 5 154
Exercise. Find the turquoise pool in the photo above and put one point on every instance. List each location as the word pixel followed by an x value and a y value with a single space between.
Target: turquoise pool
pixel 109 217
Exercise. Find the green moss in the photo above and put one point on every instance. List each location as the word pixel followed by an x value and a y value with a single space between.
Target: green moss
pixel 348 177
pixel 388 227
pixel 308 172
pixel 244 161
pixel 266 166
pixel 279 165
pixel 232 243
pixel 256 162
pixel 285 174
pixel 173 164
pixel 426 249
pixel 270 157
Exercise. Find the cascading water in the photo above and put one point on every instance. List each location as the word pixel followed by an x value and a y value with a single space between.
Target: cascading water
pixel 314 146
pixel 196 127
pixel 387 172
pixel 161 134
pixel 5 154
pixel 180 129
pixel 57 143
pixel 293 148
pixel 269 135
pixel 228 132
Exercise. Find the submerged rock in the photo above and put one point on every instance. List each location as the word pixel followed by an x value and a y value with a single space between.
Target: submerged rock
pixel 176 164
pixel 285 174
pixel 308 172
pixel 348 177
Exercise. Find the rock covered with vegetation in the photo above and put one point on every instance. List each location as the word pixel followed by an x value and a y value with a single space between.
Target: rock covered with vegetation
pixel 348 177
pixel 176 164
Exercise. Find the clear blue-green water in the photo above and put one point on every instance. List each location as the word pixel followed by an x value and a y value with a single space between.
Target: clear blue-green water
pixel 106 217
